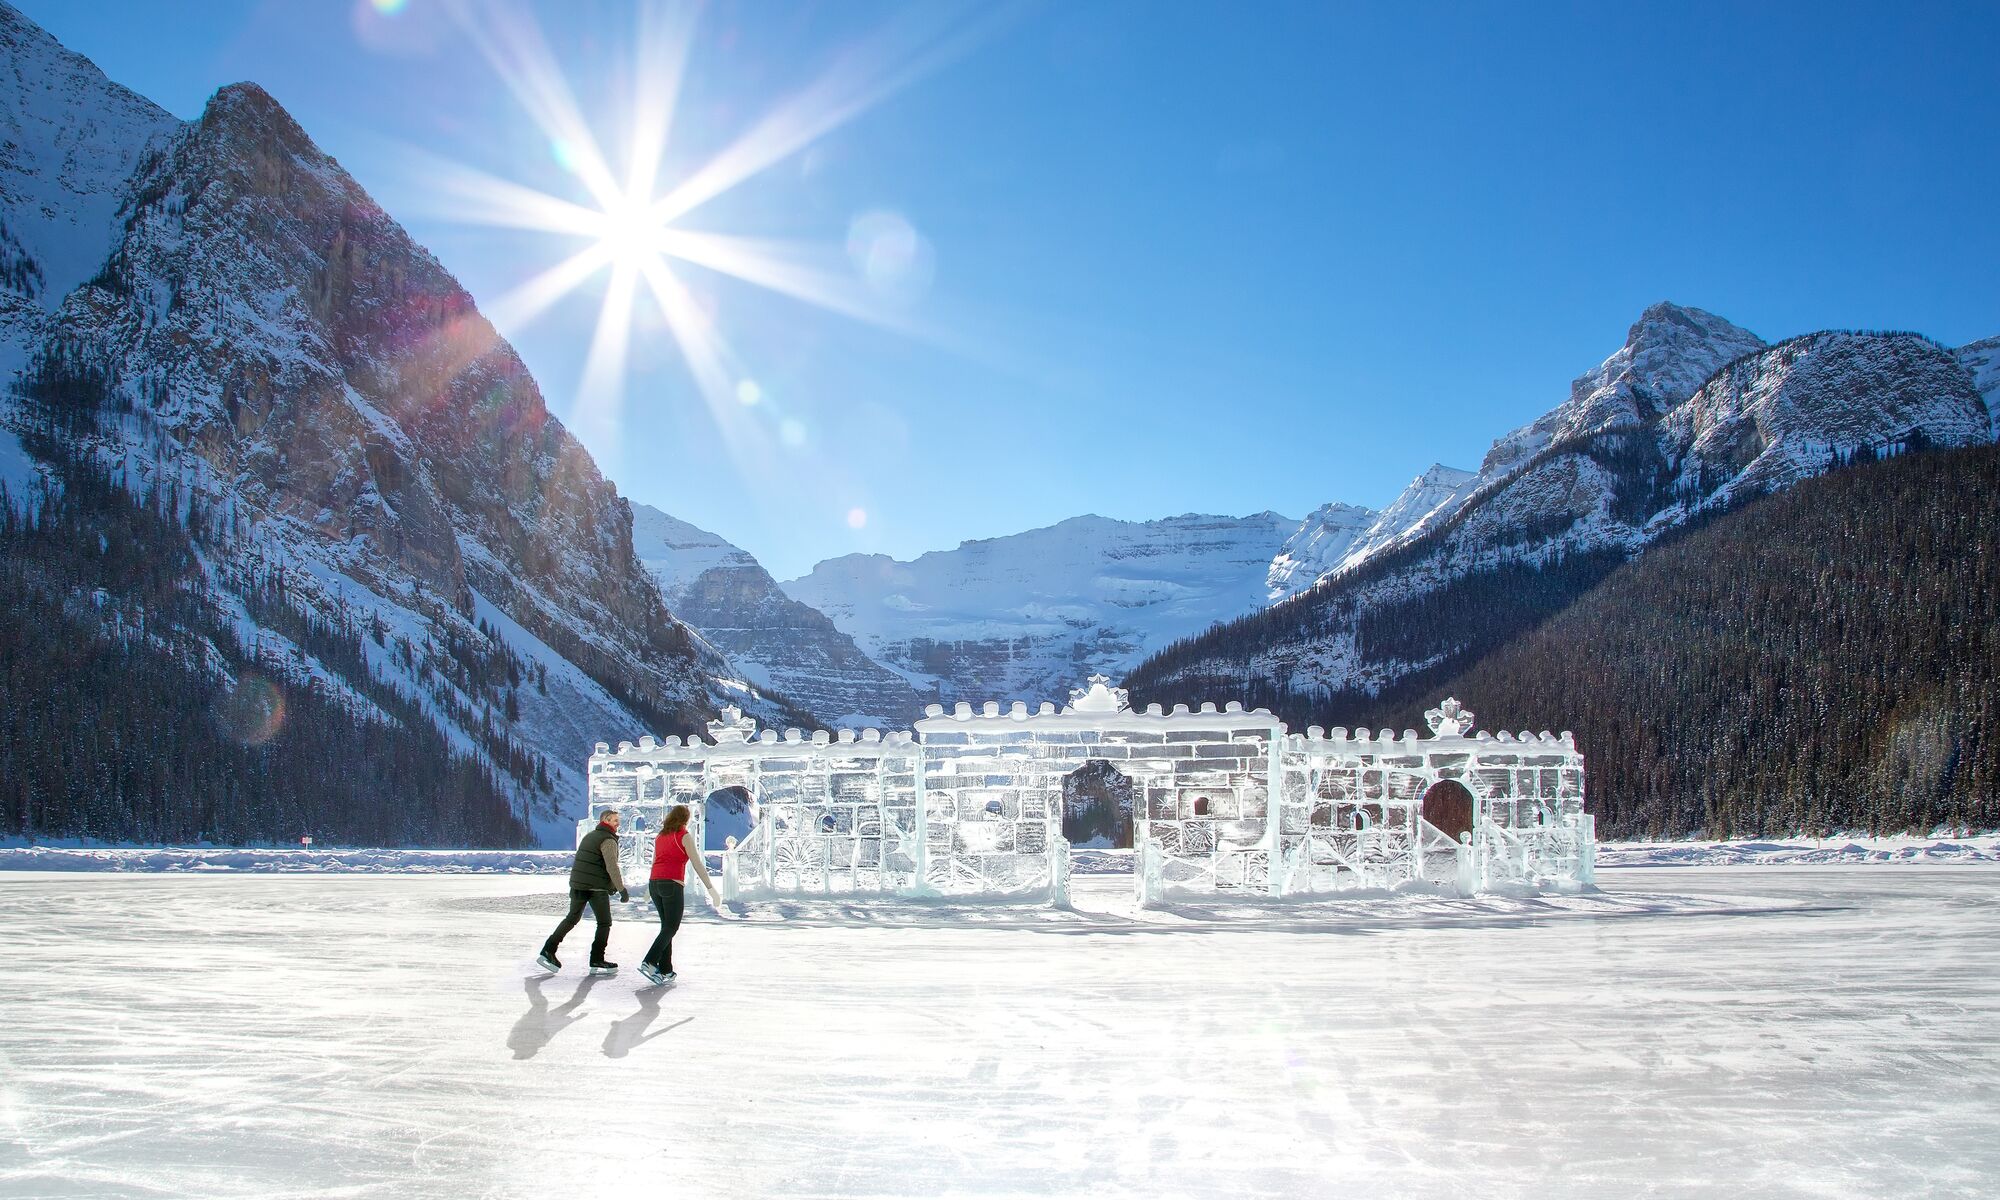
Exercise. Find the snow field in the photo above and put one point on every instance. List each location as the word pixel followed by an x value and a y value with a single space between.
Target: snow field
pixel 1690 1032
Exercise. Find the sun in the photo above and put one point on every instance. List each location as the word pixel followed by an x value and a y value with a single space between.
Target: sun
pixel 629 233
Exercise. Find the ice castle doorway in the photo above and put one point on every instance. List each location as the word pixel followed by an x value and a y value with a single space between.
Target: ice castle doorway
pixel 1447 805
pixel 728 812
pixel 1097 800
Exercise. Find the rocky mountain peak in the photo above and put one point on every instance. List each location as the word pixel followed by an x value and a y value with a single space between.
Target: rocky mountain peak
pixel 777 642
pixel 1668 353
pixel 1774 418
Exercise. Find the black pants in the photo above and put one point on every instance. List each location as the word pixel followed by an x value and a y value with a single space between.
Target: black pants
pixel 600 907
pixel 670 898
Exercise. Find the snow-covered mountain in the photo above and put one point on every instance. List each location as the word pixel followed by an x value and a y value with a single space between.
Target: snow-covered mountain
pixel 227 319
pixel 1430 498
pixel 777 642
pixel 1668 353
pixel 1030 615
pixel 1680 419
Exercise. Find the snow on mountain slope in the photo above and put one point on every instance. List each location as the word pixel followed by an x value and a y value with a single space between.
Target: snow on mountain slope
pixel 1030 615
pixel 779 643
pixel 1982 359
pixel 1619 463
pixel 264 342
pixel 1430 498
pixel 69 141
pixel 1317 546
pixel 1350 535
pixel 1772 418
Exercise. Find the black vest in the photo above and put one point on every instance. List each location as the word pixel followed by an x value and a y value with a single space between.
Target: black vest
pixel 587 872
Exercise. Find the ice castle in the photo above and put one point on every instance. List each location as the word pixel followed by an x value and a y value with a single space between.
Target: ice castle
pixel 1226 800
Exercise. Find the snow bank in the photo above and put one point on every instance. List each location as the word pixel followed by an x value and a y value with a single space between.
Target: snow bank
pixel 1093 860
pixel 1800 852
pixel 284 860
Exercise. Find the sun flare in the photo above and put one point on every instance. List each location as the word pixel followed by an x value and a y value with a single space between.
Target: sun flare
pixel 625 214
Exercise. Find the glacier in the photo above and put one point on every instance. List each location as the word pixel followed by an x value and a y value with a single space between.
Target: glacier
pixel 1025 616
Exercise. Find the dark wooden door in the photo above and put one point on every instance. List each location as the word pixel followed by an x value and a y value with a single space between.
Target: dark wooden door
pixel 1449 807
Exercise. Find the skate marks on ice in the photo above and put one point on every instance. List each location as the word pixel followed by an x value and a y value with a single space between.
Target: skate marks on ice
pixel 266 1036
pixel 1418 910
pixel 1105 905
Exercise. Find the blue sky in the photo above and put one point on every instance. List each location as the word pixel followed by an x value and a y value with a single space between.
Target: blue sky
pixel 1164 257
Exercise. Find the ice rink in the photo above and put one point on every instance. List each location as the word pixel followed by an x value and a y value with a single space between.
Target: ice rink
pixel 1783 1031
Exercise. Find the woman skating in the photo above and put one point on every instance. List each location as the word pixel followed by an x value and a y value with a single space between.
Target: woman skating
pixel 673 850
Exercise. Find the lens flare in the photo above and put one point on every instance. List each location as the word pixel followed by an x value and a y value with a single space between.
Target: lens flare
pixel 253 712
pixel 748 393
pixel 857 518
pixel 890 255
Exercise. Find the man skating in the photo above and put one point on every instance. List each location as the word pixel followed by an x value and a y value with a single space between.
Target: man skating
pixel 593 876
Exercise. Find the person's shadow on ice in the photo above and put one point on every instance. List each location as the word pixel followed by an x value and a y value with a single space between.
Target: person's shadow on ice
pixel 541 1023
pixel 627 1035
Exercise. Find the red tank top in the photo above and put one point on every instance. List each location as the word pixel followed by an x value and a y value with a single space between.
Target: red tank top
pixel 670 856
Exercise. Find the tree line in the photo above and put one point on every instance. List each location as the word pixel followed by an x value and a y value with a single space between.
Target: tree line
pixel 1822 659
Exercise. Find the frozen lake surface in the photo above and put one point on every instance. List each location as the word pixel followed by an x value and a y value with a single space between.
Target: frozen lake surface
pixel 1788 1031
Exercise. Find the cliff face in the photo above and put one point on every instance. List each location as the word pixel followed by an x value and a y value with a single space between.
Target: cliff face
pixel 261 340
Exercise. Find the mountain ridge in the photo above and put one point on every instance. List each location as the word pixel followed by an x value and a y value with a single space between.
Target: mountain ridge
pixel 1555 519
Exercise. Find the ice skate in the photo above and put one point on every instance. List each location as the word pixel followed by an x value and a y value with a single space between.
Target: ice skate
pixel 652 974
pixel 548 962
pixel 604 968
